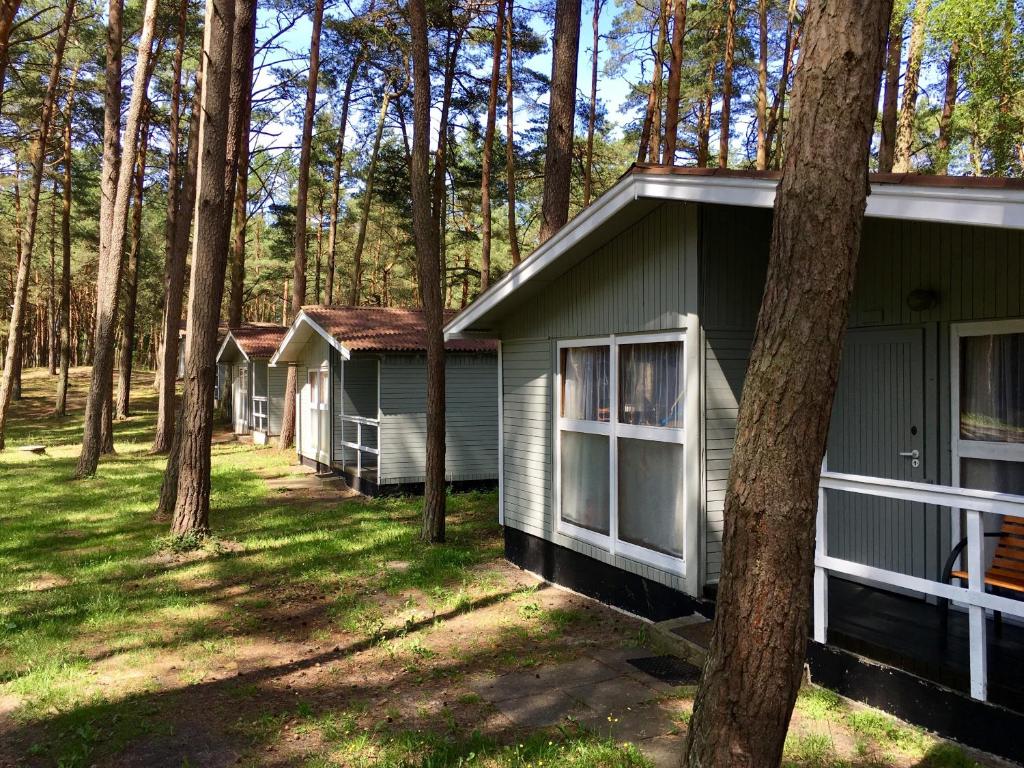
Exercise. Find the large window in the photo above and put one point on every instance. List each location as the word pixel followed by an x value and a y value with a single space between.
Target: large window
pixel 620 445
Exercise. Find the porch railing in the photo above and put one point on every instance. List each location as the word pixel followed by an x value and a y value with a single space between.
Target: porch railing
pixel 974 504
pixel 259 413
pixel 360 422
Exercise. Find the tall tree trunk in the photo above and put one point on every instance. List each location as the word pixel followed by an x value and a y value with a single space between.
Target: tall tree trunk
pixel 704 117
pixel 440 177
pixel 891 96
pixel 174 282
pixel 657 77
pixel 61 407
pixel 364 215
pixel 902 150
pixel 287 436
pixel 339 153
pixel 131 279
pixel 759 641
pixel 108 276
pixel 510 144
pixel 51 297
pixel 727 68
pixel 428 270
pixel 775 121
pixel 761 161
pixel 174 259
pixel 948 105
pixel 485 174
pixel 28 233
pixel 561 118
pixel 243 50
pixel 218 126
pixel 588 171
pixel 675 72
pixel 8 10
pixel 643 151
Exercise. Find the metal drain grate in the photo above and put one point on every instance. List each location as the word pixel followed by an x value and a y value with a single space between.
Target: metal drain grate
pixel 668 669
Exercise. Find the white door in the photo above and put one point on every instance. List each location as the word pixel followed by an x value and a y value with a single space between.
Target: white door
pixel 316 413
pixel 241 400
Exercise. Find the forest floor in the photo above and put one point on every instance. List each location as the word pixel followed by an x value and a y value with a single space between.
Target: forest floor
pixel 312 629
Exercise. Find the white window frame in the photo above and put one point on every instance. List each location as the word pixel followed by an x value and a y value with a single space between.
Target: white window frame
pixel 974 449
pixel 614 430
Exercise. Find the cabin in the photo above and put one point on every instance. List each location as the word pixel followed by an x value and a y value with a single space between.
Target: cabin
pixel 252 391
pixel 362 399
pixel 623 346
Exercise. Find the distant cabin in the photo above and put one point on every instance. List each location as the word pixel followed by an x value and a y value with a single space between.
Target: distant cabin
pixel 250 389
pixel 624 342
pixel 362 399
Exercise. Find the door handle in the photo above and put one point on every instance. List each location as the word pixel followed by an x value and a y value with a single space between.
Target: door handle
pixel 914 454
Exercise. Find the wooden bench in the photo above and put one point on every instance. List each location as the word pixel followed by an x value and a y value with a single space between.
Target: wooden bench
pixel 1007 568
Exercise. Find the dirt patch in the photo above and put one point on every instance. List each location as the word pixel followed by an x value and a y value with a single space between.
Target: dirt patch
pixel 45 582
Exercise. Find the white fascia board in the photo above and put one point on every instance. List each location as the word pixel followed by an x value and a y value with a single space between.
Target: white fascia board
pixel 224 345
pixel 1003 208
pixel 303 319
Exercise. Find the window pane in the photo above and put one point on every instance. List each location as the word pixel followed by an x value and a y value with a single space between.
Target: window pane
pixel 990 475
pixel 323 388
pixel 584 480
pixel 651 495
pixel 992 388
pixel 313 396
pixel 585 376
pixel 651 384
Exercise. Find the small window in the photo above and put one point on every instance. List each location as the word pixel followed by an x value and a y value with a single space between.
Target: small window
pixel 324 390
pixel 585 383
pixel 314 389
pixel 652 384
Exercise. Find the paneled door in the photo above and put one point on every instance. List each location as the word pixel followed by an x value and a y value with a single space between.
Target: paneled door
pixel 878 428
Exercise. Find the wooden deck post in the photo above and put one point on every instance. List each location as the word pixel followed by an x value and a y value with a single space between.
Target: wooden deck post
pixel 977 628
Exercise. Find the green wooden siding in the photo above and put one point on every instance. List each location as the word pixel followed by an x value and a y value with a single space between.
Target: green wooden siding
pixel 358 397
pixel 471 402
pixel 636 282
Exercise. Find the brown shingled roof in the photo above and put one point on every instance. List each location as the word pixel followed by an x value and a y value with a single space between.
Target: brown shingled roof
pixel 259 340
pixel 386 329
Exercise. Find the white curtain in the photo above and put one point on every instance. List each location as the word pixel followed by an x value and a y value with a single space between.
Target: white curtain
pixel 585 481
pixel 992 388
pixel 585 375
pixel 651 384
pixel 651 495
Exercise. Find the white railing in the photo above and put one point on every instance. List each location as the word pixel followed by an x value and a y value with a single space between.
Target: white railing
pixel 357 446
pixel 974 503
pixel 260 419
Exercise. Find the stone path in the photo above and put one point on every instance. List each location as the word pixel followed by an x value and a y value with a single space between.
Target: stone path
pixel 603 693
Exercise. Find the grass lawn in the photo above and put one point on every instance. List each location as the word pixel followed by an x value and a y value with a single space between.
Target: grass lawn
pixel 312 630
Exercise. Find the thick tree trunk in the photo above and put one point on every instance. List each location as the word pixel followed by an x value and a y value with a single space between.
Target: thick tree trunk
pixel 98 411
pixel 761 159
pixel 485 174
pixel 174 282
pixel 174 259
pixel 355 295
pixel 287 436
pixel 588 171
pixel 903 146
pixel 727 68
pixel 131 279
pixel 209 263
pixel 339 153
pixel 674 79
pixel 61 408
pixel 891 95
pixel 428 269
pixel 752 674
pixel 561 118
pixel 244 47
pixel 12 359
pixel 948 105
pixel 510 144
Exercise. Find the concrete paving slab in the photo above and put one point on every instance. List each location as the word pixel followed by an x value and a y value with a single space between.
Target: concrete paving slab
pixel 607 696
pixel 633 723
pixel 542 709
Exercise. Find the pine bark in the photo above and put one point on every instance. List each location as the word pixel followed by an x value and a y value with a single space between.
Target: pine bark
pixel 8 10
pixel 209 263
pixel 674 79
pixel 174 282
pixel 428 269
pixel 561 118
pixel 12 359
pixel 131 278
pixel 903 146
pixel 727 70
pixel 588 171
pixel 489 129
pixel 339 154
pixel 761 158
pixel 510 144
pixel 759 641
pixel 355 295
pixel 98 411
pixel 287 436
pixel 948 106
pixel 891 96
pixel 773 139
pixel 64 317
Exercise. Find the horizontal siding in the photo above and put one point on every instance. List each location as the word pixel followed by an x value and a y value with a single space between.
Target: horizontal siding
pixel 355 390
pixel 471 405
